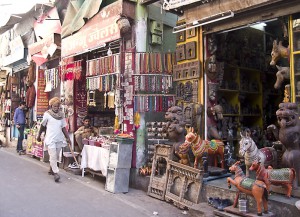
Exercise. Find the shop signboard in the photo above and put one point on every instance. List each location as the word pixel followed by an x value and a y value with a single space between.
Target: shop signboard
pixel 42 96
pixel 17 51
pixel 95 33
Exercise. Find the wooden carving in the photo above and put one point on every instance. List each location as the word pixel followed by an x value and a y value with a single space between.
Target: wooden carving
pixel 248 149
pixel 254 188
pixel 289 136
pixel 278 51
pixel 190 49
pixel 270 176
pixel 180 53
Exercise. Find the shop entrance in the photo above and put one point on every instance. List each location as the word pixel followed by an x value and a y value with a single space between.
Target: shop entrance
pixel 250 89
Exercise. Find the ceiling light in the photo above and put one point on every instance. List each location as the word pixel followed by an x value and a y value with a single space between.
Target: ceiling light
pixel 204 21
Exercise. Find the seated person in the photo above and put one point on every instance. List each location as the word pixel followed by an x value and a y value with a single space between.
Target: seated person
pixel 85 131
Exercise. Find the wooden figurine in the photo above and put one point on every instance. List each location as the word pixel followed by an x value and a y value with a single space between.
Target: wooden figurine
pixel 267 156
pixel 289 136
pixel 278 51
pixel 254 188
pixel 200 146
pixel 282 74
pixel 270 176
pixel 175 127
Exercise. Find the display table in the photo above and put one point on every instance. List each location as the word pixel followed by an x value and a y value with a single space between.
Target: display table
pixel 95 158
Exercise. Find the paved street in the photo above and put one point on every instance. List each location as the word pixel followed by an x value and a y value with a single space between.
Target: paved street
pixel 26 190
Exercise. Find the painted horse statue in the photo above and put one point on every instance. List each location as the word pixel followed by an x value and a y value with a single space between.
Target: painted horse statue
pixel 278 51
pixel 284 176
pixel 199 147
pixel 251 187
pixel 248 149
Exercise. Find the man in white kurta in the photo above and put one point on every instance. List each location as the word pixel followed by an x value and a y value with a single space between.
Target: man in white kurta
pixel 56 135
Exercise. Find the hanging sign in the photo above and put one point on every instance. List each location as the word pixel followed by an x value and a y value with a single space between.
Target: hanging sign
pixel 42 96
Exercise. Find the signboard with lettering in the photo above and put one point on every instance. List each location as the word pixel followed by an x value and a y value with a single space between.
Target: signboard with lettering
pixel 42 96
pixel 95 33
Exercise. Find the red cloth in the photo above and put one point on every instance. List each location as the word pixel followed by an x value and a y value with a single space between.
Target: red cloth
pixel 30 96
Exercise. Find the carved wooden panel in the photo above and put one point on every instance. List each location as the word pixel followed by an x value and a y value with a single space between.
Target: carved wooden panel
pixel 186 71
pixel 190 50
pixel 159 175
pixel 180 52
pixel 190 33
pixel 184 185
pixel 180 36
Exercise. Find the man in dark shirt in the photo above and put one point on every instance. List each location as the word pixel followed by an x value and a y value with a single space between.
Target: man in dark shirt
pixel 19 121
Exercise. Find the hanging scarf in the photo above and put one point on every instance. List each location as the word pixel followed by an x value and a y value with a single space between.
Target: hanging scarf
pixel 58 116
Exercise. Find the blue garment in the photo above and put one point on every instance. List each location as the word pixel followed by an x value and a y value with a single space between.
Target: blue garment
pixel 19 117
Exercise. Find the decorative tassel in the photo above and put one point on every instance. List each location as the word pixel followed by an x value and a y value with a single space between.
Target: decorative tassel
pixel 117 126
pixel 137 118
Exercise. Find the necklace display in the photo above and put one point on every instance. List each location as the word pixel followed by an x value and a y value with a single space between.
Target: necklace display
pixel 153 82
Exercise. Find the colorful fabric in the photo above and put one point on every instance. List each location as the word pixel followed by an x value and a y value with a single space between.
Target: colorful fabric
pixel 280 174
pixel 30 96
pixel 214 145
pixel 268 153
pixel 247 183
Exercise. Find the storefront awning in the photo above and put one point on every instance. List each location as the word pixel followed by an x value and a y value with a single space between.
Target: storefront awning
pixel 48 46
pixel 7 22
pixel 245 12
pixel 77 14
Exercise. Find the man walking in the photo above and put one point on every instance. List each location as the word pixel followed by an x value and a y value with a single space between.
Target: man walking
pixel 19 121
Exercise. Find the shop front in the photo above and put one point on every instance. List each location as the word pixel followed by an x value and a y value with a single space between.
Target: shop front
pixel 16 86
pixel 92 72
pixel 249 51
pixel 45 54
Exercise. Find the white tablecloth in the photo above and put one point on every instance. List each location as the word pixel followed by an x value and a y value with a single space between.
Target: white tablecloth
pixel 95 158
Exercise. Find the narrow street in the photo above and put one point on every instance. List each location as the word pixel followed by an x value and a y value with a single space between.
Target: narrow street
pixel 26 190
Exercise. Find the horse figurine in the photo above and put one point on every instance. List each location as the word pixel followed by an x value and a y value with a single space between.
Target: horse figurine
pixel 278 51
pixel 267 156
pixel 251 187
pixel 282 74
pixel 270 176
pixel 200 146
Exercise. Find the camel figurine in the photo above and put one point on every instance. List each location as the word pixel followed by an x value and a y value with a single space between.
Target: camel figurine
pixel 254 188
pixel 270 176
pixel 278 51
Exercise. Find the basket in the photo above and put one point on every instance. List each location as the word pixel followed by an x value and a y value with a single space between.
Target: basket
pixel 123 24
